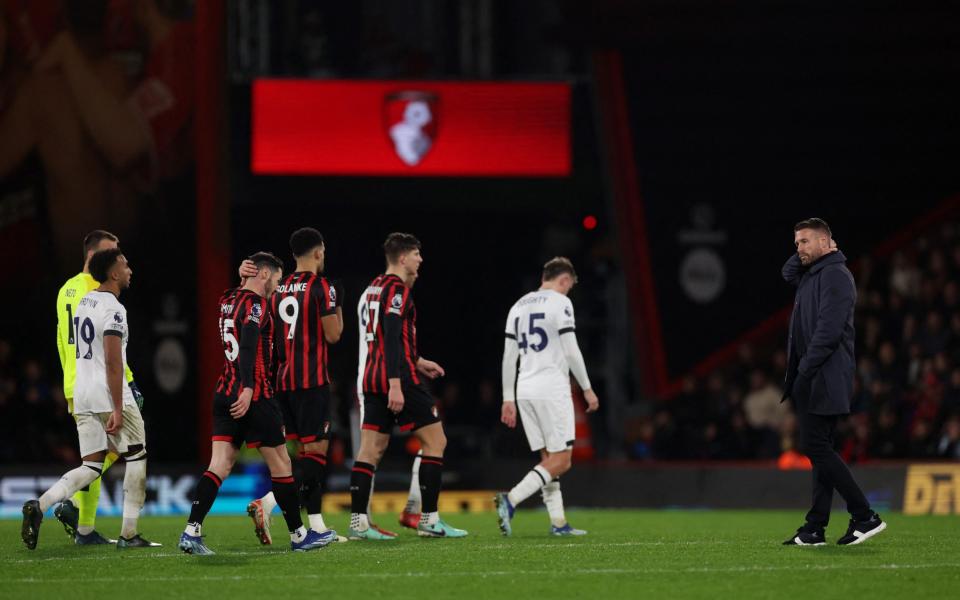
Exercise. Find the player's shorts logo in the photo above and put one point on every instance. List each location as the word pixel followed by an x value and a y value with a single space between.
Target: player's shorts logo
pixel 411 119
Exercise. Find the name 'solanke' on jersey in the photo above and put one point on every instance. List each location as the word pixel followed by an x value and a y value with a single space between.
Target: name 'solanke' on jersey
pixel 292 288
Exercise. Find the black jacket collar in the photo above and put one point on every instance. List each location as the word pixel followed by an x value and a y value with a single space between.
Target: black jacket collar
pixel 829 259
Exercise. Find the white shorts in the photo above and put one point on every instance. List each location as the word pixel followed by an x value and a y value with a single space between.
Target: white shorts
pixel 91 429
pixel 548 423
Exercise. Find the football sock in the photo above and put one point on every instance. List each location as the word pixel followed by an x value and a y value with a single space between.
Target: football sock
pixel 316 522
pixel 553 500
pixel 373 481
pixel 285 491
pixel 361 482
pixel 414 499
pixel 359 522
pixel 431 471
pixel 528 486
pixel 298 534
pixel 313 466
pixel 87 499
pixel 429 518
pixel 269 503
pixel 70 483
pixel 203 496
pixel 134 494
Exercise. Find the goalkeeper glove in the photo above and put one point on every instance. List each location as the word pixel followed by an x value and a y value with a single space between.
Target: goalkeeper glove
pixel 137 395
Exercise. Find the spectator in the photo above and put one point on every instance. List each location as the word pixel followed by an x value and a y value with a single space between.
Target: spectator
pixel 949 444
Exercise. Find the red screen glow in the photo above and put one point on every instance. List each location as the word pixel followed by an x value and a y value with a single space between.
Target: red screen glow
pixel 410 128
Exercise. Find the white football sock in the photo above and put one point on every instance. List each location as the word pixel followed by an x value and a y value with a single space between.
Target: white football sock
pixel 193 529
pixel 414 500
pixel 316 522
pixel 72 481
pixel 553 499
pixel 359 522
pixel 269 503
pixel 134 494
pixel 528 486
pixel 429 518
pixel 299 534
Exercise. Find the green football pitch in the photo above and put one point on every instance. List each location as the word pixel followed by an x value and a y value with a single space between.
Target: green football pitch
pixel 628 554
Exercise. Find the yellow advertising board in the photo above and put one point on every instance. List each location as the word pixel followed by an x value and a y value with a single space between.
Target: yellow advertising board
pixel 932 489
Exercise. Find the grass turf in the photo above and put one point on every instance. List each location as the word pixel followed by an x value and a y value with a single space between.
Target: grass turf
pixel 628 554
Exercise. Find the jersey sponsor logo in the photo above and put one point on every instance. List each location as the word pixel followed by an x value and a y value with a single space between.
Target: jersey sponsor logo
pixel 567 311
pixel 256 311
pixel 333 295
pixel 397 301
pixel 70 293
pixel 411 120
pixel 118 317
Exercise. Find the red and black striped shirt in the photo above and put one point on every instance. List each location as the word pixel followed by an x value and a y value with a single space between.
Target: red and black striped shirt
pixel 388 298
pixel 302 299
pixel 239 307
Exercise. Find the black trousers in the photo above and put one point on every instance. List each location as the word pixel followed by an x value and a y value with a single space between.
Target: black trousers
pixel 829 471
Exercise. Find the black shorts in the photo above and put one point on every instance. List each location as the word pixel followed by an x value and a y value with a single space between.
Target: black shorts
pixel 261 426
pixel 306 413
pixel 418 411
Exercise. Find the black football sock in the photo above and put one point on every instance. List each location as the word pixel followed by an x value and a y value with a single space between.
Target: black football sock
pixel 431 471
pixel 204 494
pixel 313 465
pixel 285 491
pixel 361 478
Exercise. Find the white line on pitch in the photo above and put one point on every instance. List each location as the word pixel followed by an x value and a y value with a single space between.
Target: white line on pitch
pixel 380 548
pixel 519 572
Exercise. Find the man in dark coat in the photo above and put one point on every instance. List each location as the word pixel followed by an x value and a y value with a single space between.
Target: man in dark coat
pixel 820 368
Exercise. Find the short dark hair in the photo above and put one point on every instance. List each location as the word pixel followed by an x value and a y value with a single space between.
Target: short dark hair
pixel 102 261
pixel 93 239
pixel 557 266
pixel 266 260
pixel 813 223
pixel 399 243
pixel 303 240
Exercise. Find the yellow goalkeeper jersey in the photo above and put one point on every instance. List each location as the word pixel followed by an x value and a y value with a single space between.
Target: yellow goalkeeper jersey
pixel 70 294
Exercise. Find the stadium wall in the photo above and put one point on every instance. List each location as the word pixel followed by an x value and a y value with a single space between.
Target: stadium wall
pixel 929 488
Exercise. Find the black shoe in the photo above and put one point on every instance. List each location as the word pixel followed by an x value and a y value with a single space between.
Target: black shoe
pixel 861 531
pixel 66 512
pixel 92 539
pixel 32 517
pixel 136 541
pixel 807 536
